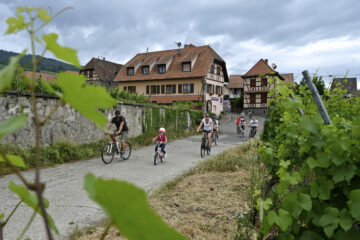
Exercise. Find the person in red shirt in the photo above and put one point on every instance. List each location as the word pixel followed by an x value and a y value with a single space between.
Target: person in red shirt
pixel 162 139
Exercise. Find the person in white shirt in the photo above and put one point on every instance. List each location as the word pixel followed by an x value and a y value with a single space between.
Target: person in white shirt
pixel 216 126
pixel 254 124
pixel 208 127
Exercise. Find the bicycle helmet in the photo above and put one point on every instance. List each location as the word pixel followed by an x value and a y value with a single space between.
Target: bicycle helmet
pixel 162 130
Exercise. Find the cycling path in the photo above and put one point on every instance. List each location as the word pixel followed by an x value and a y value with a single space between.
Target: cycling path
pixel 69 203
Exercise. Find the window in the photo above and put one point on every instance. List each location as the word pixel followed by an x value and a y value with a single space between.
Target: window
pixel 180 88
pixel 189 88
pixel 252 98
pixel 264 98
pixel 252 82
pixel 170 88
pixel 153 89
pixel 218 90
pixel 130 71
pixel 147 89
pixel 264 82
pixel 218 69
pixel 210 89
pixel 90 74
pixel 162 89
pixel 158 89
pixel 145 70
pixel 132 89
pixel 125 88
pixel 161 68
pixel 186 67
pixel 212 68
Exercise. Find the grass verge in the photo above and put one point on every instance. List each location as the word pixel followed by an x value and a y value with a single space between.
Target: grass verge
pixel 214 200
pixel 64 152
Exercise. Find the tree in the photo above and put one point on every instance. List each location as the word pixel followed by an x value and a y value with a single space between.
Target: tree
pixel 317 80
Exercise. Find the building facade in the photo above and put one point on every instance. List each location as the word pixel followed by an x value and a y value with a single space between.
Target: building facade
pixel 101 72
pixel 188 74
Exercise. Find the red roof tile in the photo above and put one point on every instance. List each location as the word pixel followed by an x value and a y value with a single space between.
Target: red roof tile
pixel 236 81
pixel 47 77
pixel 106 70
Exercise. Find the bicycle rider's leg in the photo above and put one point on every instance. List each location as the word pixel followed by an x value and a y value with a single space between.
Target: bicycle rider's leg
pixel 162 146
pixel 209 139
pixel 123 139
pixel 156 147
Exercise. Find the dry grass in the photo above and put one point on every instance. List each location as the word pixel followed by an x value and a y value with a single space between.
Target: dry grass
pixel 206 202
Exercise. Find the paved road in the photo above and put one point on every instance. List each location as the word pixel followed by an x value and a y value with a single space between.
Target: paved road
pixel 69 203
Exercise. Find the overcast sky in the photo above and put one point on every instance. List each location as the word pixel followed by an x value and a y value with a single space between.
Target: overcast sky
pixel 319 35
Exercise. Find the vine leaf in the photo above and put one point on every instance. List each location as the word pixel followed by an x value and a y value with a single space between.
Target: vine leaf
pixel 12 124
pixel 63 53
pixel 2 215
pixel 346 220
pixel 43 14
pixel 7 74
pixel 31 200
pixel 354 204
pixel 284 220
pixel 15 160
pixel 342 173
pixel 85 99
pixel 322 188
pixel 330 221
pixel 124 203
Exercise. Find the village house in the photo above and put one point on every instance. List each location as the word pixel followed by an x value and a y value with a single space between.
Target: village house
pixel 236 86
pixel 185 74
pixel 347 84
pixel 257 85
pixel 101 72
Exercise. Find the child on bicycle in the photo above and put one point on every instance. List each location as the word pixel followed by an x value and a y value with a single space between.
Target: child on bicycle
pixel 162 139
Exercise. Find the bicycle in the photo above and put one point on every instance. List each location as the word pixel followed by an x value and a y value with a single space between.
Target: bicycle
pixel 204 145
pixel 214 137
pixel 158 154
pixel 252 132
pixel 237 129
pixel 242 132
pixel 109 149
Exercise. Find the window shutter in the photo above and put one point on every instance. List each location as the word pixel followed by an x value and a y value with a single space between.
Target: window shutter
pixel 158 89
pixel 192 88
pixel 180 88
pixel 162 89
pixel 147 89
pixel 174 88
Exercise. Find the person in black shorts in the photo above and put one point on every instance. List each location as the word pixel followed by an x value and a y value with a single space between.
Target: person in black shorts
pixel 121 129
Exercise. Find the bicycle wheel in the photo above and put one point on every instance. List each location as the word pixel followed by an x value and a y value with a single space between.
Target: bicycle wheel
pixel 107 153
pixel 208 151
pixel 127 151
pixel 202 149
pixel 155 158
pixel 214 139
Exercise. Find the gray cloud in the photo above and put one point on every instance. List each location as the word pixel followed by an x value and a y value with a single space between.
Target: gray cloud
pixel 120 29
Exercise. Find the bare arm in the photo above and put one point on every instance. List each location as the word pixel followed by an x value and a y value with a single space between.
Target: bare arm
pixel 212 126
pixel 121 127
pixel 199 126
pixel 154 139
pixel 165 140
pixel 109 126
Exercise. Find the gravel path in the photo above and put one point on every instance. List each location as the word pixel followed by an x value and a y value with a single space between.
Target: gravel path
pixel 69 203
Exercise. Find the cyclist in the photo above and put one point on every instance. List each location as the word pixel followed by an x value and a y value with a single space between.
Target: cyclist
pixel 254 124
pixel 208 127
pixel 121 129
pixel 162 139
pixel 237 123
pixel 242 122
pixel 216 126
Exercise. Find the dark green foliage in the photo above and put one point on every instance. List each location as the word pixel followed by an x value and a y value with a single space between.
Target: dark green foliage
pixel 318 82
pixel 127 97
pixel 47 64
pixel 319 188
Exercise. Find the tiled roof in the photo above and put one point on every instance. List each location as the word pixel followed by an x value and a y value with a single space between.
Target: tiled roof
pixel 149 60
pixel 349 84
pixel 105 70
pixel 288 77
pixel 190 56
pixel 47 77
pixel 261 68
pixel 200 68
pixel 236 81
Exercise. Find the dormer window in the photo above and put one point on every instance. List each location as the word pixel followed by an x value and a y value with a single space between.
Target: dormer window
pixel 161 68
pixel 145 70
pixel 130 71
pixel 186 66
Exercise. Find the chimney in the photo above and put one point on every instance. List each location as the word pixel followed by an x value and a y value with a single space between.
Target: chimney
pixel 266 60
pixel 186 45
pixel 178 51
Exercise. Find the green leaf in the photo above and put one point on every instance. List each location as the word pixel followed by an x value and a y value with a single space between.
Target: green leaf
pixel 284 164
pixel 272 217
pixel 2 215
pixel 325 187
pixel 43 15
pixel 330 221
pixel 354 204
pixel 342 173
pixel 290 204
pixel 31 200
pixel 126 205
pixel 310 235
pixel 356 127
pixel 310 124
pixel 63 53
pixel 16 24
pixel 305 201
pixel 312 163
pixel 15 160
pixel 85 99
pixel 7 74
pixel 346 221
pixel 12 124
pixel 284 220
